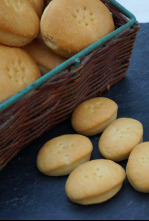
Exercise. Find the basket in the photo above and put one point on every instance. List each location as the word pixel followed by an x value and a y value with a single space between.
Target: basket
pixel 51 99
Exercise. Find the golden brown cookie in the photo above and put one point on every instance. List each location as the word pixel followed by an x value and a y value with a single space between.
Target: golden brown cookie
pixel 118 140
pixel 94 115
pixel 45 58
pixel 68 26
pixel 138 168
pixel 61 155
pixel 19 23
pixel 17 70
pixel 95 182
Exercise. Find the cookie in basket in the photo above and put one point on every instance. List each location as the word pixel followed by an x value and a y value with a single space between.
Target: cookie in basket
pixel 138 168
pixel 45 58
pixel 19 23
pixel 95 182
pixel 61 155
pixel 17 70
pixel 118 140
pixel 38 5
pixel 68 26
pixel 94 115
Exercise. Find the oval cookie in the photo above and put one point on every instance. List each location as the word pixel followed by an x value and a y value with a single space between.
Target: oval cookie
pixel 61 155
pixel 94 115
pixel 68 26
pixel 17 71
pixel 138 168
pixel 19 23
pixel 118 140
pixel 95 182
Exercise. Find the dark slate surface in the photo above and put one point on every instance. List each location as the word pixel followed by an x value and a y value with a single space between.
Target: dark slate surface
pixel 27 194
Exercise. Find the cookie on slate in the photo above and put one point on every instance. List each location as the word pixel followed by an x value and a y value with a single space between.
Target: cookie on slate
pixel 61 155
pixel 94 115
pixel 138 168
pixel 118 140
pixel 95 182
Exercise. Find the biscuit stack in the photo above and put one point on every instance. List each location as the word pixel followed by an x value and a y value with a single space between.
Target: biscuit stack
pixel 50 32
pixel 96 181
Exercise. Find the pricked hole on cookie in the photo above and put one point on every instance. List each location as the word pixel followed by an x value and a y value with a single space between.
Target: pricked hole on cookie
pixel 23 79
pixel 67 159
pixel 19 62
pixel 100 176
pixel 91 13
pixel 85 8
pixel 13 62
pixel 72 145
pixel 61 144
pixel 98 103
pixel 74 16
pixel 93 111
pixel 23 69
pixel 77 10
pixel 8 69
pixel 16 70
pixel 86 24
pixel 92 107
pixel 145 158
pixel 64 147
pixel 86 176
pixel 122 132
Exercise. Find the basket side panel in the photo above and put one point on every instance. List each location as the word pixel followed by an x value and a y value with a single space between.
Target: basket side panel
pixel 55 101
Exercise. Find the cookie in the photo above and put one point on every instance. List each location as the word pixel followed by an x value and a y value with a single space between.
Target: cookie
pixel 45 58
pixel 19 23
pixel 17 70
pixel 94 115
pixel 138 168
pixel 38 5
pixel 61 155
pixel 95 182
pixel 68 26
pixel 118 140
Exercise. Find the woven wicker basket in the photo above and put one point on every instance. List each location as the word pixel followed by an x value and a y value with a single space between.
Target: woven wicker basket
pixel 51 99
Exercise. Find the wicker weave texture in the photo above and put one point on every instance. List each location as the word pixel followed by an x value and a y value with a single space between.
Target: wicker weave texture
pixel 55 100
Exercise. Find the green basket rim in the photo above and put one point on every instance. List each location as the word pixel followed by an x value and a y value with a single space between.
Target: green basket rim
pixel 75 59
